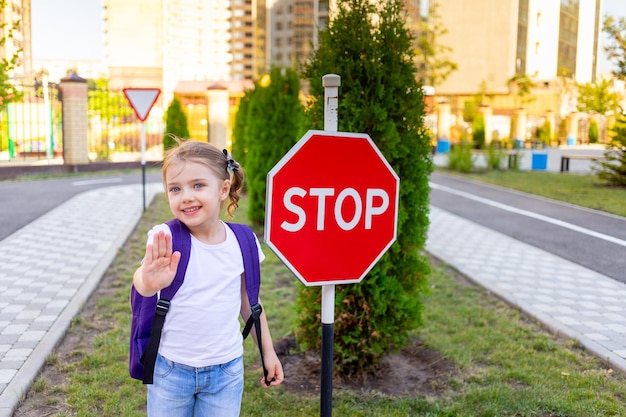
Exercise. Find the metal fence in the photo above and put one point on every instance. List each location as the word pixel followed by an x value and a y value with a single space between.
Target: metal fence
pixel 115 131
pixel 31 128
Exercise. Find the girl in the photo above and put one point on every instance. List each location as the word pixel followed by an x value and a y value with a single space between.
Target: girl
pixel 199 368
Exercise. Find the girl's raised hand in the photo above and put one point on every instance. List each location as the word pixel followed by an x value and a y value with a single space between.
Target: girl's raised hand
pixel 160 263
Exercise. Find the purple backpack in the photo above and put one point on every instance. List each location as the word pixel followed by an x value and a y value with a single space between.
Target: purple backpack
pixel 149 312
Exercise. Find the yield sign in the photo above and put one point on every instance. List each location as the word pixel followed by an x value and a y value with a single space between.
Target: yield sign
pixel 142 100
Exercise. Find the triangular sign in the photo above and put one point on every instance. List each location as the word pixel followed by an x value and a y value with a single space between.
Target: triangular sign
pixel 142 100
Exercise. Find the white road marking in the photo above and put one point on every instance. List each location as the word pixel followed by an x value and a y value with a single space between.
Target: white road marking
pixel 97 181
pixel 530 214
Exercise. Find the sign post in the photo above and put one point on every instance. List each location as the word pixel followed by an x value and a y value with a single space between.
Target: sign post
pixel 328 195
pixel 142 100
pixel 331 83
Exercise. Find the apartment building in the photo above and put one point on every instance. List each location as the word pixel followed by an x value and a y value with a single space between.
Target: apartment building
pixel 494 40
pixel 294 25
pixel 164 42
pixel 293 29
pixel 16 19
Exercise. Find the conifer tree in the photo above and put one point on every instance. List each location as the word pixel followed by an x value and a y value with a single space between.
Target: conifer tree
pixel 239 148
pixel 269 124
pixel 175 124
pixel 613 168
pixel 370 48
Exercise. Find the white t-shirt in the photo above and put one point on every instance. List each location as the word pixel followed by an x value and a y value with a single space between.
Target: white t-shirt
pixel 202 326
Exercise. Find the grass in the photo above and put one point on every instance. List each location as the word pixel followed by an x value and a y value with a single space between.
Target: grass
pixel 582 190
pixel 507 364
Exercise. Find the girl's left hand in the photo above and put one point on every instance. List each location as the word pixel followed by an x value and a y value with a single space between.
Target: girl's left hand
pixel 274 370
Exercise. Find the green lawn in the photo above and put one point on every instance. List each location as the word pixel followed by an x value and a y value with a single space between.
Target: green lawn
pixel 582 190
pixel 506 364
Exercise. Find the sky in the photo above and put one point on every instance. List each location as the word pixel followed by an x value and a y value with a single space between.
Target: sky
pixel 73 29
pixel 67 29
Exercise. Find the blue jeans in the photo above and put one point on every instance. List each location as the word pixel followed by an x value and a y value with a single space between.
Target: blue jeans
pixel 184 391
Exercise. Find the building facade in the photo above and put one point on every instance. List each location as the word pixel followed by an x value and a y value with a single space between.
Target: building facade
pixel 293 29
pixel 160 43
pixel 492 41
pixel 15 18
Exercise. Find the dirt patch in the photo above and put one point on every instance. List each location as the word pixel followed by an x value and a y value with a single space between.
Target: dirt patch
pixel 409 372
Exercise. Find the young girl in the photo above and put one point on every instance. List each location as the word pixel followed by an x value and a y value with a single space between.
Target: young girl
pixel 199 368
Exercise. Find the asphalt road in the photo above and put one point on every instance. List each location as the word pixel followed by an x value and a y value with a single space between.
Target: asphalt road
pixel 587 237
pixel 21 202
pixel 590 238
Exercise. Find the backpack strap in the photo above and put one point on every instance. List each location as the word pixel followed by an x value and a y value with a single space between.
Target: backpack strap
pixel 252 272
pixel 181 241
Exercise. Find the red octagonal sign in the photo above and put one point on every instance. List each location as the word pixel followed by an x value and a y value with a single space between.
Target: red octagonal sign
pixel 332 207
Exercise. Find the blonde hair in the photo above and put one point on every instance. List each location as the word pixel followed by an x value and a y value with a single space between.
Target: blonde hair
pixel 220 162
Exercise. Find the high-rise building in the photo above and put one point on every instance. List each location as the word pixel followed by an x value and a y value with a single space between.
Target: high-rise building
pixel 164 42
pixel 492 41
pixel 15 19
pixel 293 29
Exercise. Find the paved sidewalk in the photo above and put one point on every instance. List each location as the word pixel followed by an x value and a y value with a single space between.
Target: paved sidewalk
pixel 50 267
pixel 48 270
pixel 569 299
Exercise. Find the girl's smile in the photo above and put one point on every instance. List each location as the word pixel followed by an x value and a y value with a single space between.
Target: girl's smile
pixel 195 194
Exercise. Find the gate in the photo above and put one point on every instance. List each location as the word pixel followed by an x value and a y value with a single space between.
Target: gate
pixel 30 127
pixel 114 130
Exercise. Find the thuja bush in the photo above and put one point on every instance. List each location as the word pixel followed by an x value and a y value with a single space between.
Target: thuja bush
pixel 268 124
pixel 175 124
pixel 370 48
pixel 494 154
pixel 613 168
pixel 460 157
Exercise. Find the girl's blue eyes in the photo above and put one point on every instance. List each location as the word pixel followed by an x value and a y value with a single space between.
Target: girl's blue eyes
pixel 177 189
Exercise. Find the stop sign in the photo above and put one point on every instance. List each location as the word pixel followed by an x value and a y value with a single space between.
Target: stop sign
pixel 331 207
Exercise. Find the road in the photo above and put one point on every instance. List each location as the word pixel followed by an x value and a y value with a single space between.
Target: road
pixel 589 238
pixel 24 201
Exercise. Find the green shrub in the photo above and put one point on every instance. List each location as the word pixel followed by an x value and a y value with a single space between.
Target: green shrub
pixel 240 148
pixel 613 168
pixel 175 124
pixel 269 123
pixel 545 133
pixel 478 131
pixel 370 48
pixel 494 155
pixel 594 133
pixel 460 157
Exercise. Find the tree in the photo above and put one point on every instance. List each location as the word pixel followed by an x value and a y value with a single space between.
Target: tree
pixel 436 67
pixel 478 130
pixel 521 85
pixel 593 133
pixel 270 122
pixel 9 93
pixel 613 168
pixel 370 48
pixel 545 132
pixel 598 97
pixel 240 148
pixel 175 124
pixel 616 47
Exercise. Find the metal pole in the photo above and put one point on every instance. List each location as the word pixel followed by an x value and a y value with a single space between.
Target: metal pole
pixel 47 119
pixel 143 162
pixel 331 83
